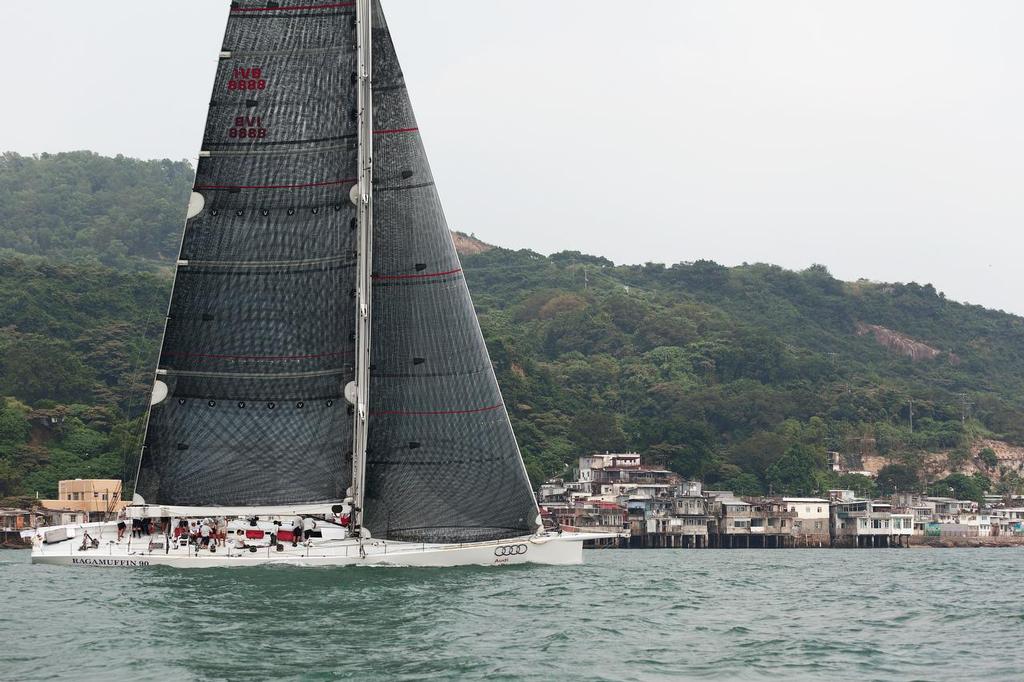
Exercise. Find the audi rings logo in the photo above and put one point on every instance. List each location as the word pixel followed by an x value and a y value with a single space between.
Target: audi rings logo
pixel 510 550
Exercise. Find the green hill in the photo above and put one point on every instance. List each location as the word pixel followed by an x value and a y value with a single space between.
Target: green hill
pixel 742 376
pixel 82 207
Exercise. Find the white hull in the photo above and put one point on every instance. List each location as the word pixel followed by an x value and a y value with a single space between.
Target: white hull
pixel 565 549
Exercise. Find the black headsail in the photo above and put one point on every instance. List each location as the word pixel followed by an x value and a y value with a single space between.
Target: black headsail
pixel 442 461
pixel 258 346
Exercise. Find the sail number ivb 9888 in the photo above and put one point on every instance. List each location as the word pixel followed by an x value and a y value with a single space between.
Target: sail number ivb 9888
pixel 247 79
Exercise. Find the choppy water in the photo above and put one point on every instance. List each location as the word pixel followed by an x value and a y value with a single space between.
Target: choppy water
pixel 626 615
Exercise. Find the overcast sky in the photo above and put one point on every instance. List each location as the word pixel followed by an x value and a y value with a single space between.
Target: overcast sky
pixel 882 138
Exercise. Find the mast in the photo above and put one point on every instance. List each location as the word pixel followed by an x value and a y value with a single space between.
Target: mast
pixel 359 392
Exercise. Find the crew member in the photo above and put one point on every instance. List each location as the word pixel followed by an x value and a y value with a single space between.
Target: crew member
pixel 308 525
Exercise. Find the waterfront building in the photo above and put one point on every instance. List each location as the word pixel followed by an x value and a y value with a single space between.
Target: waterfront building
pixel 963 526
pixel 592 516
pixel 693 507
pixel 1009 513
pixel 948 508
pixel 917 506
pixel 661 510
pixel 1006 521
pixel 584 474
pixel 85 500
pixel 810 525
pixel 678 518
pixel 736 519
pixel 1006 515
pixel 868 523
pixel 613 483
pixel 778 528
pixel 553 491
pixel 13 521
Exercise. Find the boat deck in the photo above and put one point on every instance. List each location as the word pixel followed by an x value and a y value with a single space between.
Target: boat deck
pixel 156 550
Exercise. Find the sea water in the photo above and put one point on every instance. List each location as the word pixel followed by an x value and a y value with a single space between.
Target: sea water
pixel 895 614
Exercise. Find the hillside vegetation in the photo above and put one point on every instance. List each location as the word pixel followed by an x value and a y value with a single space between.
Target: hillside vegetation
pixel 745 377
pixel 82 207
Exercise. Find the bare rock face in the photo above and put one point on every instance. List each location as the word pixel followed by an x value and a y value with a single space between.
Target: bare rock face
pixel 468 245
pixel 899 343
pixel 1010 456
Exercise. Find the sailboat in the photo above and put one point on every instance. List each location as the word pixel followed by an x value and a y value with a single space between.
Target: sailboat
pixel 323 395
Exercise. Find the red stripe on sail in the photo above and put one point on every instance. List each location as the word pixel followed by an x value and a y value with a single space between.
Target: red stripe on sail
pixel 394 131
pixel 346 181
pixel 399 413
pixel 423 276
pixel 293 9
pixel 209 356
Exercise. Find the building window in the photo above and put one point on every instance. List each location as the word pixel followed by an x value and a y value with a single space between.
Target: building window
pixel 819 510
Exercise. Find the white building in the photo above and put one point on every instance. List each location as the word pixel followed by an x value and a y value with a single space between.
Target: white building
pixel 591 463
pixel 869 523
pixel 812 518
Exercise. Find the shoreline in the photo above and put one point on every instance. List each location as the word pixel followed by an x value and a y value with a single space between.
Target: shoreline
pixel 915 542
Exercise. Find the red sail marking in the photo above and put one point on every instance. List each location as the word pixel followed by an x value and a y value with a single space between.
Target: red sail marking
pixel 257 357
pixel 293 9
pixel 394 131
pixel 423 276
pixel 399 413
pixel 346 181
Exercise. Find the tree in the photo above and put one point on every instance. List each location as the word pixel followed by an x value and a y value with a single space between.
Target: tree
pixel 10 478
pixel 758 453
pixel 743 485
pixel 794 472
pixel 1010 483
pixel 83 207
pixel 596 432
pixel 988 457
pixel 14 428
pixel 897 477
pixel 84 442
pixel 962 487
pixel 860 484
pixel 689 459
pixel 36 368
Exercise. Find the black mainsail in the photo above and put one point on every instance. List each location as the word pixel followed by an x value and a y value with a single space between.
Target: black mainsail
pixel 261 334
pixel 258 344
